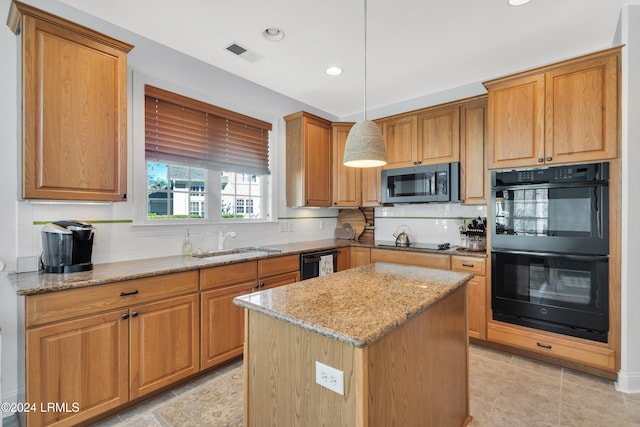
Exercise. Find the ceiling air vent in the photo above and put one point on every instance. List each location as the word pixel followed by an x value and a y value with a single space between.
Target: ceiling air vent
pixel 243 52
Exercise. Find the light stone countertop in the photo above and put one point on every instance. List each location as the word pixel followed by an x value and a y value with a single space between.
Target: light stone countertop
pixel 360 305
pixel 40 282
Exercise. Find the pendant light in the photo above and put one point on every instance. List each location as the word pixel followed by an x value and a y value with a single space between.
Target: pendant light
pixel 365 146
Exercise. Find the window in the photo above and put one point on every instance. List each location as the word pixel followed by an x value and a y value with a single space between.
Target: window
pixel 192 149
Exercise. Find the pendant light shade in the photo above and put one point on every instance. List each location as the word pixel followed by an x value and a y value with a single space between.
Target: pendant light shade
pixel 365 146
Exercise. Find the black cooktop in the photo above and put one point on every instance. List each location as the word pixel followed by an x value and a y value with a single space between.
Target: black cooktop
pixel 433 246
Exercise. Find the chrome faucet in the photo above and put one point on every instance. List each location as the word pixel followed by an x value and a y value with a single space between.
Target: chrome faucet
pixel 222 236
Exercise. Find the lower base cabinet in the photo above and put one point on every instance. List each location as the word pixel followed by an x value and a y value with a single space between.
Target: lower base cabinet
pixel 359 256
pixel 87 364
pixel 476 293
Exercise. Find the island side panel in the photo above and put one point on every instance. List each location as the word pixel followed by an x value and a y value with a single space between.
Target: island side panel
pixel 280 386
pixel 418 373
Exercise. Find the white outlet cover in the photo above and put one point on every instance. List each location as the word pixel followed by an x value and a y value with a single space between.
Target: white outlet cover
pixel 330 377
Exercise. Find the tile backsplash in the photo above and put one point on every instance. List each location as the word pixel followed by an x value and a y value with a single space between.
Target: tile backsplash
pixel 427 223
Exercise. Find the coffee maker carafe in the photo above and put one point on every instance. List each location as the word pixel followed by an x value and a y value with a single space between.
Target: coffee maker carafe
pixel 67 247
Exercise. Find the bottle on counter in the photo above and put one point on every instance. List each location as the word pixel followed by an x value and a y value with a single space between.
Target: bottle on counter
pixel 187 248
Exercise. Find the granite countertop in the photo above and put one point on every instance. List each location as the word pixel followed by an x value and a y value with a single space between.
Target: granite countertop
pixel 38 282
pixel 360 305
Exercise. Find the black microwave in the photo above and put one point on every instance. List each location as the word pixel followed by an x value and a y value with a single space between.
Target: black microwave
pixel 422 184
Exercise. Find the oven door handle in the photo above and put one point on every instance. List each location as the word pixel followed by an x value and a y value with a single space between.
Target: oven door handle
pixel 311 260
pixel 552 254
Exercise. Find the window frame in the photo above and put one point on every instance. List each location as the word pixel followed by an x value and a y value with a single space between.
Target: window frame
pixel 138 161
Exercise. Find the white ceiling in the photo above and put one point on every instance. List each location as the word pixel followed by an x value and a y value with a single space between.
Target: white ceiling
pixel 414 47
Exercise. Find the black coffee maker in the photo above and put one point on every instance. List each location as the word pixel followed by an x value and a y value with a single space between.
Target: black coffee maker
pixel 67 247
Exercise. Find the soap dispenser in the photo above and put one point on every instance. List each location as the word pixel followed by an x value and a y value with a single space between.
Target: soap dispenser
pixel 187 248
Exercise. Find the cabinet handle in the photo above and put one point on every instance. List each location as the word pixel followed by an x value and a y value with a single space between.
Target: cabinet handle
pixel 540 160
pixel 548 347
pixel 261 284
pixel 549 158
pixel 419 162
pixel 257 286
pixel 134 314
pixel 467 265
pixel 123 196
pixel 125 316
pixel 126 294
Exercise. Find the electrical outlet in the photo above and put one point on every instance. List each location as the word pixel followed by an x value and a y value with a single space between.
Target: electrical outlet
pixel 330 378
pixel 283 226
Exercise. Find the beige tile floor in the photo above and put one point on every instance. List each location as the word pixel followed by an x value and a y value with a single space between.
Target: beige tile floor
pixel 505 390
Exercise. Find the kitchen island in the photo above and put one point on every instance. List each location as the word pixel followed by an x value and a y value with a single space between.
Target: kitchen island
pixel 395 335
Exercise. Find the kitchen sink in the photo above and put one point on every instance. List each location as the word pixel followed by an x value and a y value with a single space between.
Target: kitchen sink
pixel 248 250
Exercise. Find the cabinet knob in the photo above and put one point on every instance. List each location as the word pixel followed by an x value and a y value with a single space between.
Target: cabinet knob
pixel 123 196
pixel 261 284
pixel 419 162
pixel 125 316
pixel 540 160
pixel 549 158
pixel 134 314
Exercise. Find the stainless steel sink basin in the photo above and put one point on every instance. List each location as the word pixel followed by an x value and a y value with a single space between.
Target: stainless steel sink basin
pixel 248 250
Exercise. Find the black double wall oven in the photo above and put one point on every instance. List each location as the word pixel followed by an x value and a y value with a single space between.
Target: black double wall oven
pixel 550 249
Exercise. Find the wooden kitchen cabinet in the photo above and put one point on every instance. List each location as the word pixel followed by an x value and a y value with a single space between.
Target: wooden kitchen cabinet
pixel 400 139
pixel 346 180
pixel 438 135
pixel 344 259
pixel 309 181
pixel 104 345
pixel 164 343
pixel 371 184
pixel 563 113
pixel 420 259
pixel 82 360
pixel 74 109
pixel 222 322
pixel 278 271
pixel 360 256
pixel 476 293
pixel 473 131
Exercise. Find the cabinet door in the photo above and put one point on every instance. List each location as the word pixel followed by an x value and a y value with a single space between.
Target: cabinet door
pixel 472 156
pixel 516 122
pixel 164 339
pixel 400 137
pixel 360 256
pixel 222 324
pixel 317 162
pixel 371 183
pixel 84 361
pixel 477 307
pixel 280 280
pixel 74 112
pixel 346 180
pixel 439 136
pixel 582 111
pixel 344 259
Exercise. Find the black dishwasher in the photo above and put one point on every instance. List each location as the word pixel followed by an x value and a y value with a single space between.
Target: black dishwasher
pixel 312 263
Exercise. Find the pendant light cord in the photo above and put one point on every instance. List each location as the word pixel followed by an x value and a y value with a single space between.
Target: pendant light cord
pixel 365 61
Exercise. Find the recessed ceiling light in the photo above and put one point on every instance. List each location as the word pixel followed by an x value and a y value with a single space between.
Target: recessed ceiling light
pixel 334 71
pixel 518 2
pixel 273 34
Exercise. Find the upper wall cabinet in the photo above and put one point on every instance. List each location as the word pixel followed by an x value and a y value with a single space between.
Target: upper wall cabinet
pixel 473 129
pixel 564 113
pixel 74 109
pixel 346 180
pixel 308 160
pixel 439 135
pixel 400 140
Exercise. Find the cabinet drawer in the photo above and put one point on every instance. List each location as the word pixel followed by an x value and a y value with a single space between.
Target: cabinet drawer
pixel 468 264
pixel 282 279
pixel 273 266
pixel 216 277
pixel 573 350
pixel 411 258
pixel 67 304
